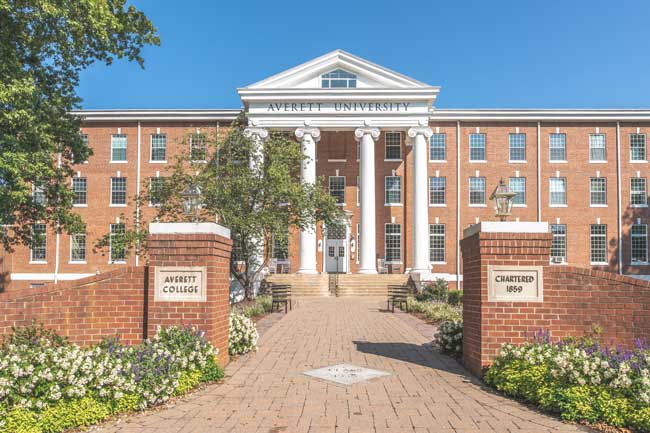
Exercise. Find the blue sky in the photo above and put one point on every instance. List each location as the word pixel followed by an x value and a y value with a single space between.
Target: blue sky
pixel 484 53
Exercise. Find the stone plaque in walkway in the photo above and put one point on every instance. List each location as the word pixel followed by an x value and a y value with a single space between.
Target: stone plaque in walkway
pixel 346 374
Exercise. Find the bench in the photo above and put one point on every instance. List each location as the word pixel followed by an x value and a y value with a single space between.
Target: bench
pixel 281 294
pixel 398 295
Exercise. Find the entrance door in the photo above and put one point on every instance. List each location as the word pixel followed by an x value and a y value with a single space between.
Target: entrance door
pixel 336 249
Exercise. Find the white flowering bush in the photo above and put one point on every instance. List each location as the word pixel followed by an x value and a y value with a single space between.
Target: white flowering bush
pixel 582 382
pixel 48 385
pixel 243 334
pixel 450 337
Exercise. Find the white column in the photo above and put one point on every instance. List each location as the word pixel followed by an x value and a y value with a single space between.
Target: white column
pixel 367 247
pixel 308 137
pixel 421 262
pixel 257 135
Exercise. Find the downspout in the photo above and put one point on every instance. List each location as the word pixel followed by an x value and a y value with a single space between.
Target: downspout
pixel 458 204
pixel 619 210
pixel 58 238
pixel 137 205
pixel 539 171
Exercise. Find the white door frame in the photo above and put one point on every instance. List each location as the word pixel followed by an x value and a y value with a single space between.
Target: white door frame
pixel 346 264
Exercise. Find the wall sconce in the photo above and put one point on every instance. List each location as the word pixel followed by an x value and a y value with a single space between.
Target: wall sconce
pixel 353 244
pixel 320 245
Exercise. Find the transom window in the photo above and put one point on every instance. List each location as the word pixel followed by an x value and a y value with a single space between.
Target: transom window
pixel 557 191
pixel 438 147
pixel 118 147
pixel 558 245
pixel 517 144
pixel 117 243
pixel 598 191
pixel 337 188
pixel 78 247
pixel 393 236
pixel 476 190
pixel 437 190
pixel 437 243
pixel 639 243
pixel 518 185
pixel 477 147
pixel 38 245
pixel 198 148
pixel 80 190
pixel 338 79
pixel 393 190
pixel 637 147
pixel 158 147
pixel 598 242
pixel 393 141
pixel 597 150
pixel 118 190
pixel 638 192
pixel 557 147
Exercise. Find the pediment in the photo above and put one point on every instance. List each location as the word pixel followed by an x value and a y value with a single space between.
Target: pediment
pixel 309 75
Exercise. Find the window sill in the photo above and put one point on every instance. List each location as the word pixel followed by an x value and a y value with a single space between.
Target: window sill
pixel 638 161
pixel 117 262
pixel 437 263
pixel 438 161
pixel 599 263
pixel 478 161
pixel 198 162
pixel 639 206
pixel 477 205
pixel 80 205
pixel 639 264
pixel 154 205
pixel 393 160
pixel 437 205
pixel 119 162
pixel 519 205
pixel 158 162
pixel 393 263
pixel 598 205
pixel 117 205
pixel 78 262
pixel 337 160
pixel 339 204
pixel 38 262
pixel 558 162
pixel 558 205
pixel 393 204
pixel 517 161
pixel 558 263
pixel 597 162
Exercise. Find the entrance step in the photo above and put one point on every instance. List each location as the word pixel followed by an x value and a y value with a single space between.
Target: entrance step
pixel 368 285
pixel 302 284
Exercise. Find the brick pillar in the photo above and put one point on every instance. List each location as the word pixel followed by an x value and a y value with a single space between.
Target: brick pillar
pixel 487 325
pixel 199 246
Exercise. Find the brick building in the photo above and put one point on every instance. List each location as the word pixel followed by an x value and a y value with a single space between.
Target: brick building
pixel 410 176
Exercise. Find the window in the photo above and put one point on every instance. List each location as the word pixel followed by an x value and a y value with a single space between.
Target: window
pixel 597 148
pixel 38 245
pixel 558 245
pixel 118 148
pixel 477 191
pixel 518 185
pixel 156 185
pixel 477 147
pixel 337 188
pixel 118 191
pixel 84 139
pixel 558 191
pixel 438 147
pixel 338 79
pixel 117 243
pixel 598 243
pixel 639 243
pixel 158 147
pixel 80 191
pixel 638 193
pixel 637 147
pixel 78 247
pixel 393 142
pixel 437 190
pixel 598 191
pixel 38 195
pixel 517 147
pixel 393 242
pixel 557 147
pixel 198 148
pixel 393 188
pixel 280 246
pixel 437 243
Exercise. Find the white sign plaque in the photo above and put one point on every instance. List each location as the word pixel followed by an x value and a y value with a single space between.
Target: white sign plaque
pixel 179 284
pixel 515 283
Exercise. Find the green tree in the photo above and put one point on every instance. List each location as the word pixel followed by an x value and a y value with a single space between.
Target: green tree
pixel 255 194
pixel 44 45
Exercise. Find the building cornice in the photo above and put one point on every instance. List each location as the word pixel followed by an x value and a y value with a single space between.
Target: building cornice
pixel 157 115
pixel 560 115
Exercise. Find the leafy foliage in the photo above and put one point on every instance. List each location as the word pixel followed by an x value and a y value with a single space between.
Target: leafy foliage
pixel 437 291
pixel 450 338
pixel 44 45
pixel 243 335
pixel 260 306
pixel 436 312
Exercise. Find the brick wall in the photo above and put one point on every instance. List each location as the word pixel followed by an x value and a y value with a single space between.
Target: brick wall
pixel 574 299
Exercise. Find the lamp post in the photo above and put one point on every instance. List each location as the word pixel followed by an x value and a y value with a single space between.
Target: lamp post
pixel 191 197
pixel 503 198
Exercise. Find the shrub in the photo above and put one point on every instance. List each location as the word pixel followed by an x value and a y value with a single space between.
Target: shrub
pixel 437 291
pixel 578 379
pixel 261 306
pixel 243 335
pixel 450 338
pixel 455 297
pixel 48 385
pixel 436 313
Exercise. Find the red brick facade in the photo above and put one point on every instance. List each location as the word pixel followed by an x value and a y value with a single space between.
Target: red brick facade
pixel 574 299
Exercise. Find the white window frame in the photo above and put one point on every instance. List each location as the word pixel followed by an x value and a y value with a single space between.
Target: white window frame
pixel 471 146
pixel 110 245
pixel 551 147
pixel 386 237
pixel 33 260
pixel 550 192
pixel 274 238
pixel 484 203
pixel 126 196
pixel 645 148
pixel 151 182
pixel 205 147
pixel 432 139
pixel 386 202
pixel 72 185
pixel 126 149
pixel 329 184
pixel 393 134
pixel 591 147
pixel 592 192
pixel 85 249
pixel 151 148
pixel 645 238
pixel 645 192
pixel 510 184
pixel 349 78
pixel 432 237
pixel 444 191
pixel 592 238
pixel 562 236
pixel 517 146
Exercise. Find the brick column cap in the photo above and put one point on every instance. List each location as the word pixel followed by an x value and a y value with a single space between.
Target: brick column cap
pixel 189 229
pixel 506 227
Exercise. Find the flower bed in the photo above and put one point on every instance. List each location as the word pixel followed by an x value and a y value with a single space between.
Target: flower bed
pixel 580 380
pixel 243 335
pixel 48 385
pixel 436 312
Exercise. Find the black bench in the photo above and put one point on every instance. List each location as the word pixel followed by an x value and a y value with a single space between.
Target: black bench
pixel 281 294
pixel 398 295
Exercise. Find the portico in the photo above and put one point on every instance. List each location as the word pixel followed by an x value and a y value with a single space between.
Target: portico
pixel 339 92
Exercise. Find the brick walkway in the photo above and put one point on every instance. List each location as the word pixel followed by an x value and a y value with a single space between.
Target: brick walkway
pixel 266 392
